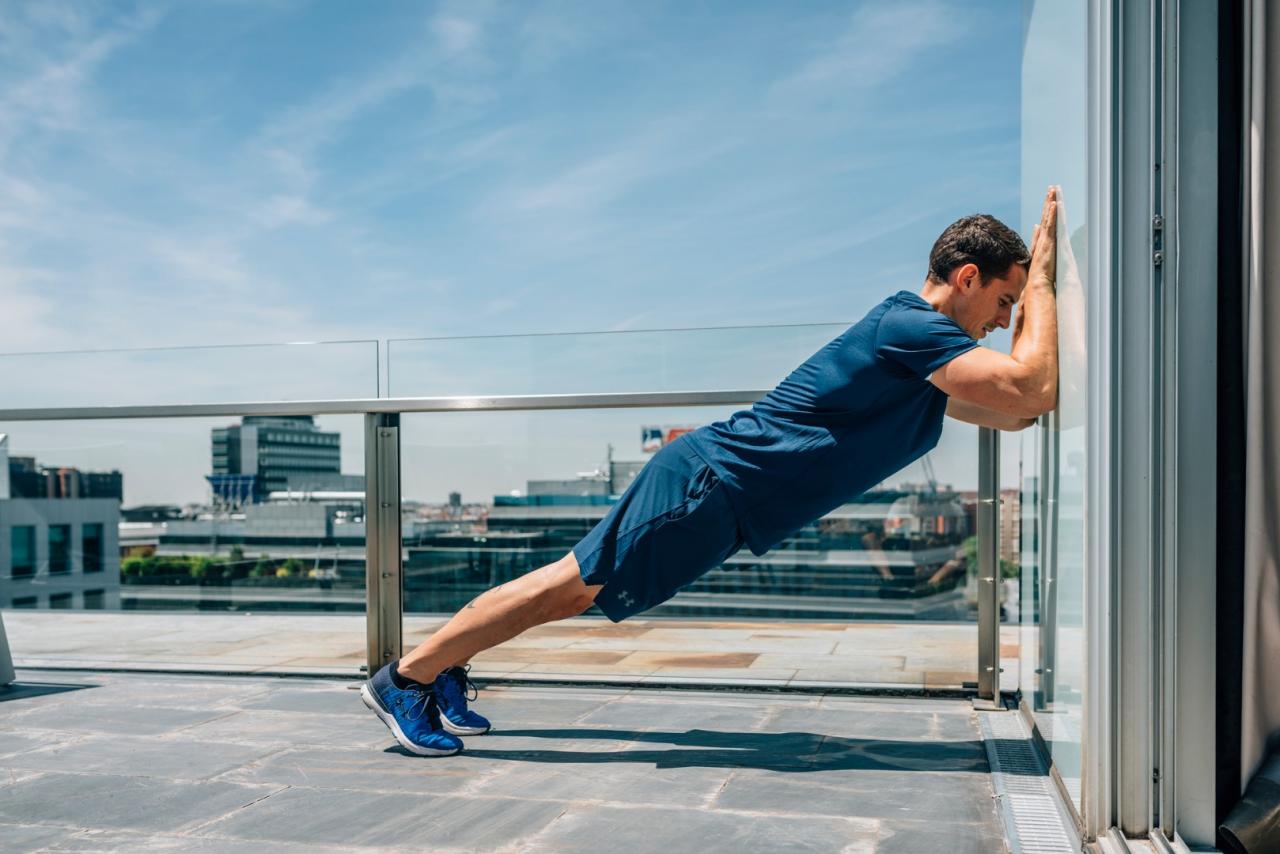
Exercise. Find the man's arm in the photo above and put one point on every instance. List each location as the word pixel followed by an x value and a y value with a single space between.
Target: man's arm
pixel 1024 383
pixel 972 413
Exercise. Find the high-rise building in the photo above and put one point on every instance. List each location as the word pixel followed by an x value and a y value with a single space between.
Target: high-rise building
pixel 262 455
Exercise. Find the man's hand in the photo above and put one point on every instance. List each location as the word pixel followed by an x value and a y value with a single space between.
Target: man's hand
pixel 1044 244
pixel 1043 270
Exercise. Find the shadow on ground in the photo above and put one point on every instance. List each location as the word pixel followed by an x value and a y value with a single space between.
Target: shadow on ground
pixel 26 690
pixel 798 752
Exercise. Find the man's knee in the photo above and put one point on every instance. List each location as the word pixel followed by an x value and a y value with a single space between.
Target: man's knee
pixel 564 594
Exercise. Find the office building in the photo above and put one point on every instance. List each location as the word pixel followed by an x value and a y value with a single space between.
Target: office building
pixel 58 546
pixel 262 455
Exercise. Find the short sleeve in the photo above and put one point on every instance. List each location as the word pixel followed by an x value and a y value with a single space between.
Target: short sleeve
pixel 920 339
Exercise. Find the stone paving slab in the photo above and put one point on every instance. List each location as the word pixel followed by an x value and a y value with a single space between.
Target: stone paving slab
pixel 172 759
pixel 122 719
pixel 113 840
pixel 644 828
pixel 294 765
pixel 81 801
pixel 264 726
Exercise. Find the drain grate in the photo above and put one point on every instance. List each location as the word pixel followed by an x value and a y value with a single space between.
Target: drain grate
pixel 1027 801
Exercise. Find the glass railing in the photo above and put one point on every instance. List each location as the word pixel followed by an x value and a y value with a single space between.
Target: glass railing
pixel 239 544
pixel 745 357
pixel 326 370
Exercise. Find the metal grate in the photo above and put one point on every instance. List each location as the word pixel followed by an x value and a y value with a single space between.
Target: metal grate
pixel 1034 820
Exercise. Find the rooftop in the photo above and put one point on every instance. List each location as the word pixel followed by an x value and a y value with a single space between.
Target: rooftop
pixel 153 761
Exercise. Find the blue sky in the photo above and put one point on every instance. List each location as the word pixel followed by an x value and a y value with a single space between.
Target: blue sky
pixel 226 172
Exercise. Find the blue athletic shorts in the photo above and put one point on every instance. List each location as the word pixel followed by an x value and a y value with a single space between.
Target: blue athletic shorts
pixel 671 526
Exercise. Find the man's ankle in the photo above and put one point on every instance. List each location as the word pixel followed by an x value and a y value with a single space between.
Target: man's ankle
pixel 403 677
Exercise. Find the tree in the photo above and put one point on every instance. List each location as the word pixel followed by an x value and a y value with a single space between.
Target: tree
pixel 199 568
pixel 263 568
pixel 132 567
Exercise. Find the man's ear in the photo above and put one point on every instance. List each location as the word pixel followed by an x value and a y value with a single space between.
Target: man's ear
pixel 966 277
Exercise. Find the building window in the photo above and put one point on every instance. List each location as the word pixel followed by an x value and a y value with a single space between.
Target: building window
pixel 59 549
pixel 95 599
pixel 60 600
pixel 91 546
pixel 26 602
pixel 22 542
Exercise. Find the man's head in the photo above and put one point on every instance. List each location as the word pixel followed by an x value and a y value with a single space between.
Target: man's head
pixel 977 270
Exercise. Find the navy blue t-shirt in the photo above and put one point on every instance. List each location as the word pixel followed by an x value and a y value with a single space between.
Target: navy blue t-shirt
pixel 857 411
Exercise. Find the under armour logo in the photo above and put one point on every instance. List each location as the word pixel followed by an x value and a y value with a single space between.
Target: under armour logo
pixel 625 598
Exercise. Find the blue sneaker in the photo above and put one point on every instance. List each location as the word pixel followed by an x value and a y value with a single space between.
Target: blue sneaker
pixel 454 689
pixel 411 714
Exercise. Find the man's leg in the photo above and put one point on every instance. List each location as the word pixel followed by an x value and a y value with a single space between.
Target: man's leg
pixel 554 592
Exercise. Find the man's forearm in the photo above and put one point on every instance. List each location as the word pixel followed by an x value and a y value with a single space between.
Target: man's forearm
pixel 1035 343
pixel 972 413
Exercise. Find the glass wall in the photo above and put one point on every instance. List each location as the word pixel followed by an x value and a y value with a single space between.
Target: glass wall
pixel 1054 140
pixel 880 591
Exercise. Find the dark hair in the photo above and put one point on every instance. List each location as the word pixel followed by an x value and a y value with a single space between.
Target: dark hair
pixel 979 239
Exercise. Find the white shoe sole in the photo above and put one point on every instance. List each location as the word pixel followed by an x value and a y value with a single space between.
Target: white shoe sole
pixel 450 726
pixel 394 726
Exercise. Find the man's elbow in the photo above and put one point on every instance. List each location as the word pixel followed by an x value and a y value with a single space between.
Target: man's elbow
pixel 1048 398
pixel 1039 399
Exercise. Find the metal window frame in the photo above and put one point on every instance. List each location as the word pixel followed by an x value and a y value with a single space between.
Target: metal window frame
pixel 1096 783
pixel 1150 515
pixel 1190 316
pixel 1135 427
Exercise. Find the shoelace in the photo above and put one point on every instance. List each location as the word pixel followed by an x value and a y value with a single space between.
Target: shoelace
pixel 458 687
pixel 427 698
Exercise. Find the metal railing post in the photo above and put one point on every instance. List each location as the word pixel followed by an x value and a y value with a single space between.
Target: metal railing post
pixel 384 577
pixel 6 660
pixel 988 564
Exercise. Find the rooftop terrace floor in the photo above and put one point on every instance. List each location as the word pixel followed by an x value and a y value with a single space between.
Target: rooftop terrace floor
pixel 107 761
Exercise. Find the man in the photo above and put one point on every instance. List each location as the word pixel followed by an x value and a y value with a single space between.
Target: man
pixel 860 409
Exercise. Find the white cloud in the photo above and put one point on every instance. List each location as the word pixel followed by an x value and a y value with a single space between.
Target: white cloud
pixel 50 95
pixel 455 34
pixel 29 317
pixel 881 41
pixel 874 225
pixel 286 209
pixel 572 207
pixel 584 186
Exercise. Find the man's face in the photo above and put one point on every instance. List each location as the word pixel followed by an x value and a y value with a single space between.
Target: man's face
pixel 986 308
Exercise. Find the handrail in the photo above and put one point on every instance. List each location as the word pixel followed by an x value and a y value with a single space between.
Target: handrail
pixel 486 403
